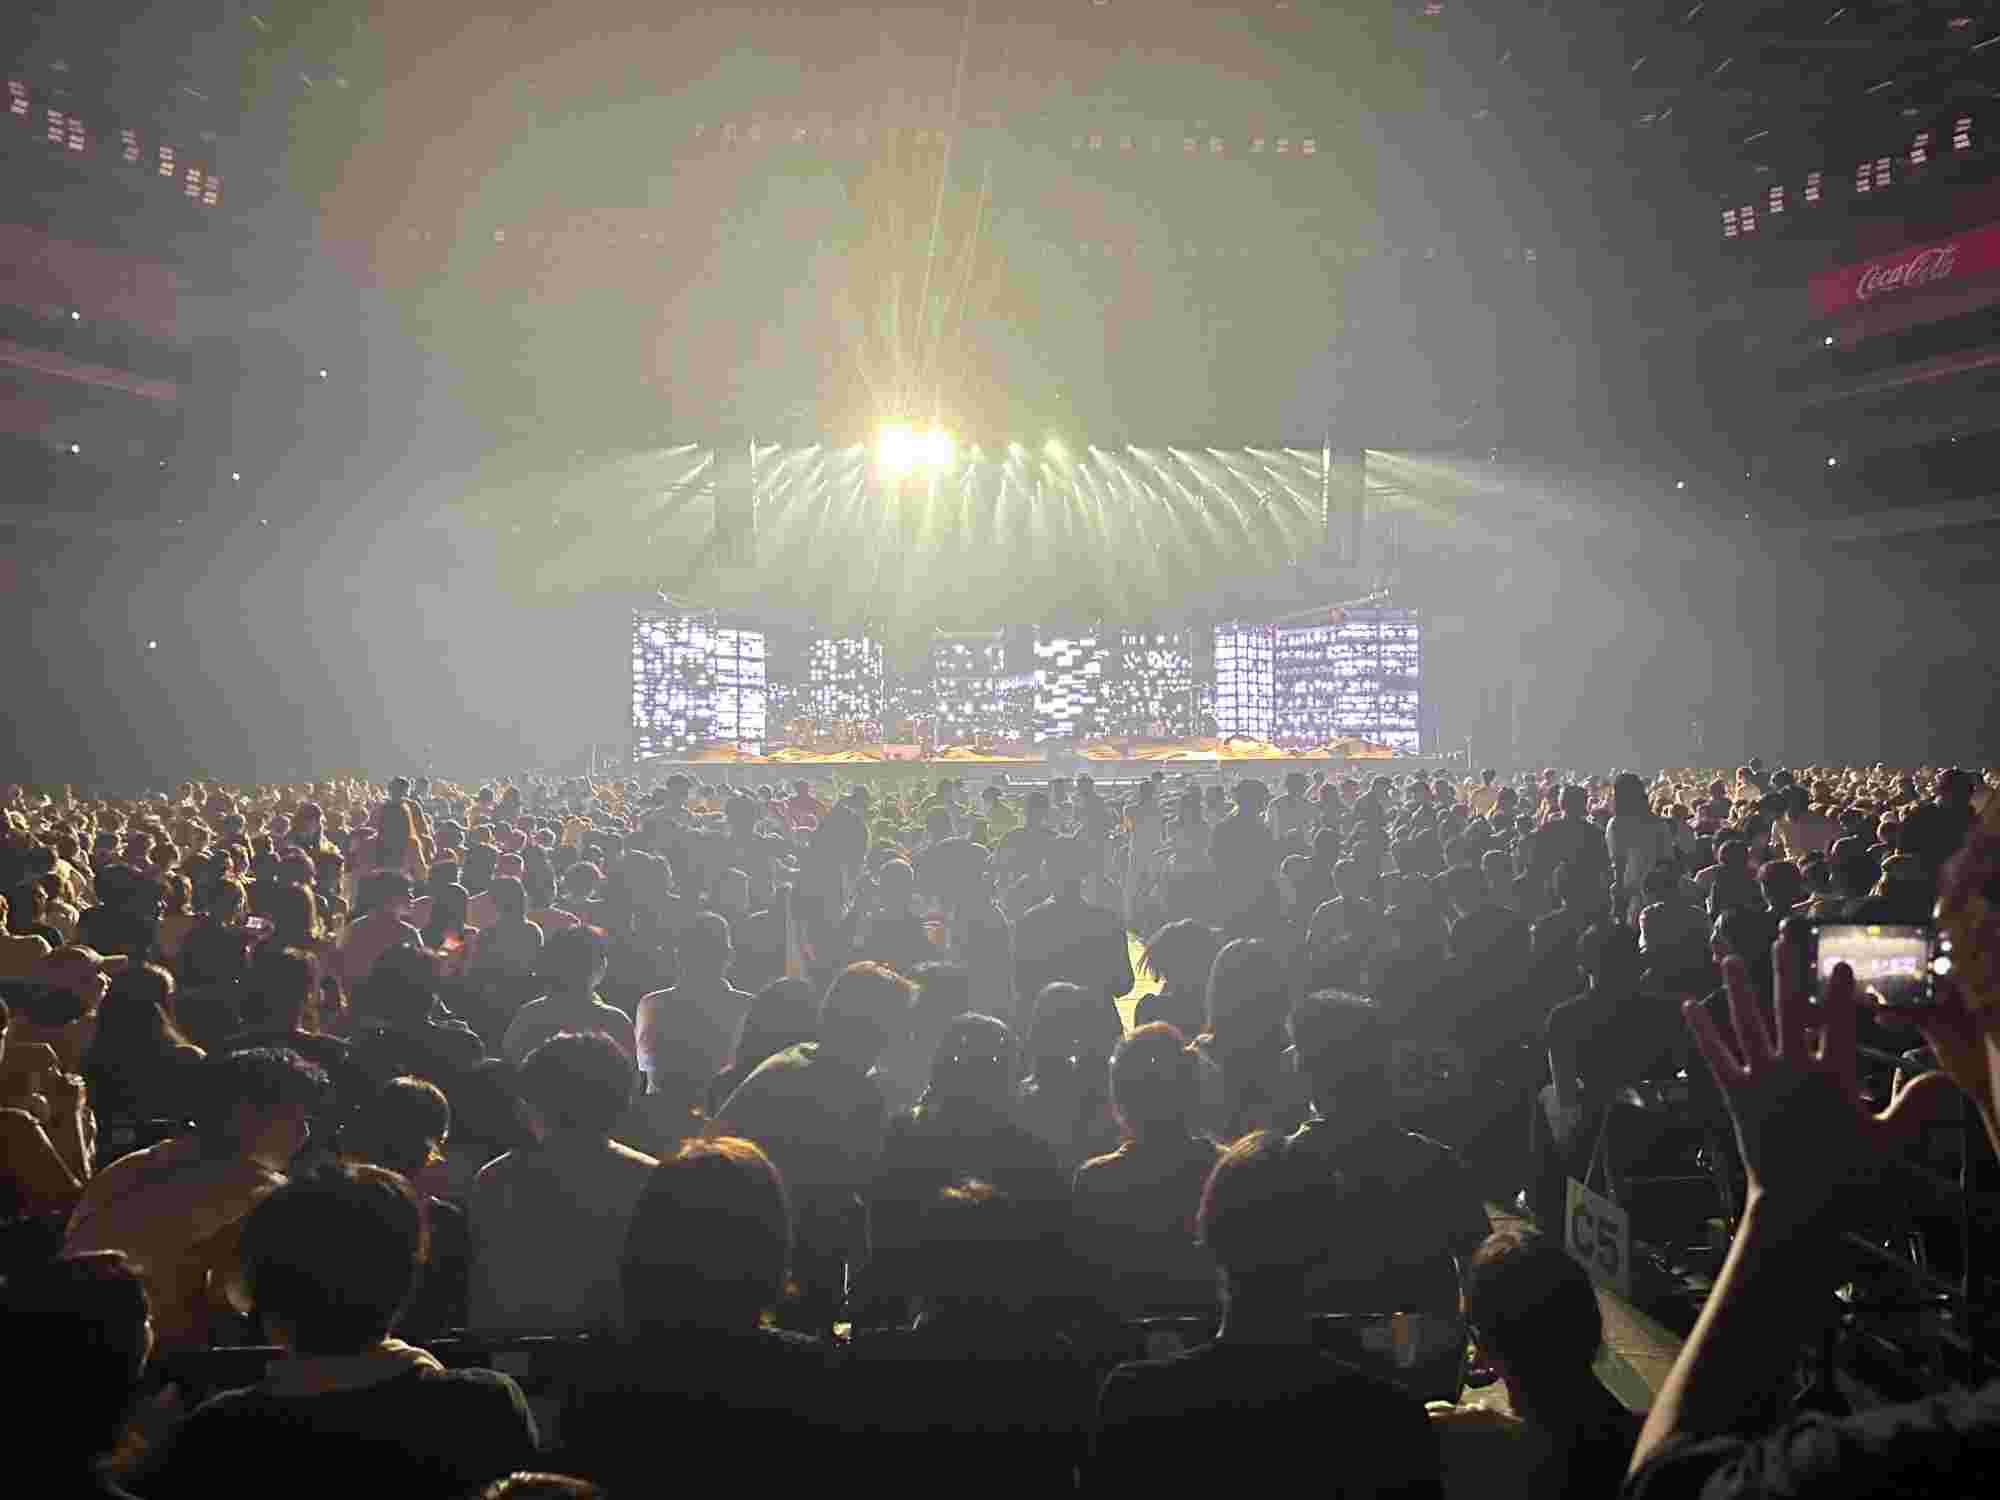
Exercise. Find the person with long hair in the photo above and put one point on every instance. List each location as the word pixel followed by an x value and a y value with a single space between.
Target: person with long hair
pixel 141 1065
pixel 1135 1206
pixel 397 844
pixel 294 914
pixel 1066 1097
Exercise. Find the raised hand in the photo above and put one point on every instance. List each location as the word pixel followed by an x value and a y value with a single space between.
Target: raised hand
pixel 1801 1122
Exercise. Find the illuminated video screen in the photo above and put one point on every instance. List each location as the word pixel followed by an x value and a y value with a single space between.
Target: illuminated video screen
pixel 1243 679
pixel 1359 674
pixel 695 683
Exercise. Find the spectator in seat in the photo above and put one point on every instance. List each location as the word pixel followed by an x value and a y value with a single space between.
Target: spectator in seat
pixel 1803 830
pixel 1552 939
pixel 1066 1097
pixel 702 1268
pixel 140 1064
pixel 1180 955
pixel 1248 1081
pixel 84 1333
pixel 126 919
pixel 404 1126
pixel 1135 1207
pixel 512 944
pixel 961 1127
pixel 781 1015
pixel 1260 1386
pixel 210 970
pixel 399 1026
pixel 574 963
pixel 1730 882
pixel 1535 1319
pixel 329 1263
pixel 21 954
pixel 1572 837
pixel 1410 1210
pixel 1490 953
pixel 1067 939
pixel 817 1112
pixel 1243 852
pixel 549 1221
pixel 1782 886
pixel 977 1363
pixel 177 1208
pixel 381 922
pixel 280 1008
pixel 699 1020
pixel 893 932
pixel 944 993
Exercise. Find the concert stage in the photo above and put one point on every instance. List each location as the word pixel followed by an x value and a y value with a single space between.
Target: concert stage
pixel 1031 770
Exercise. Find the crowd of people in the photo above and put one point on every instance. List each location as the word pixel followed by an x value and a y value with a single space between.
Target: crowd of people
pixel 877 1117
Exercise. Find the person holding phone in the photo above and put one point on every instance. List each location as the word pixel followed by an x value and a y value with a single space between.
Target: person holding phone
pixel 1806 1135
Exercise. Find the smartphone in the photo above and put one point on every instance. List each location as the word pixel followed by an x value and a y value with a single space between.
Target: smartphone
pixel 259 928
pixel 1897 965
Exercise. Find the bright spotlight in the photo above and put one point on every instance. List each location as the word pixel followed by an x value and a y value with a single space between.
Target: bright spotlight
pixel 896 449
pixel 1055 450
pixel 939 449
pixel 900 450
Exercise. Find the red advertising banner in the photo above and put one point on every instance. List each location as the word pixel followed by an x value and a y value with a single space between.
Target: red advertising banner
pixel 1973 255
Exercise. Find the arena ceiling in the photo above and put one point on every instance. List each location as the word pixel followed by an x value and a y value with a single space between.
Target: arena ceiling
pixel 614 224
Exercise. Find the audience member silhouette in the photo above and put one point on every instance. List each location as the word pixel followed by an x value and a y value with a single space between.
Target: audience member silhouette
pixel 549 1220
pixel 329 1262
pixel 1135 1207
pixel 177 1208
pixel 1260 1386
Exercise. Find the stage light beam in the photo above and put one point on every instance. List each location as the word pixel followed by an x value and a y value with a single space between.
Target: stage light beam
pixel 901 450
pixel 896 449
pixel 939 450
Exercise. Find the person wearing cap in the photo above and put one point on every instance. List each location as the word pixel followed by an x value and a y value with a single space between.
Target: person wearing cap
pixel 60 1008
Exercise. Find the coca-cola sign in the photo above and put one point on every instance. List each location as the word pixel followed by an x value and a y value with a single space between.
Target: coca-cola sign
pixel 1962 258
pixel 1934 264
